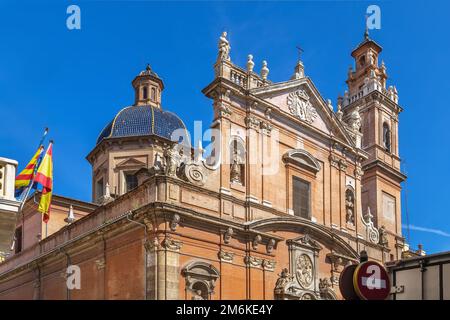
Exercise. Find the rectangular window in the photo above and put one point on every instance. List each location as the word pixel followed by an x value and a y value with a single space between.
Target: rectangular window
pixel 301 195
pixel 18 240
pixel 131 181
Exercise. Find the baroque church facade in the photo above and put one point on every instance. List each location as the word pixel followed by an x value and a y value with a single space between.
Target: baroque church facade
pixel 289 192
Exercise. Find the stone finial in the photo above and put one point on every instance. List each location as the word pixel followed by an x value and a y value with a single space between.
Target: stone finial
pixel 339 112
pixel 420 250
pixel 70 217
pixel 299 71
pixel 224 48
pixel 264 70
pixel 350 72
pixel 250 63
pixel 330 105
pixel 199 151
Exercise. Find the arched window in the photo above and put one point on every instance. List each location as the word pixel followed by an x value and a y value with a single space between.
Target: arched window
pixel 144 93
pixel 362 61
pixel 386 137
pixel 153 94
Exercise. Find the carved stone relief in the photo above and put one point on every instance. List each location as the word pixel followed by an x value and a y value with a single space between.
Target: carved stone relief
pixel 304 271
pixel 300 106
pixel 372 232
pixel 303 283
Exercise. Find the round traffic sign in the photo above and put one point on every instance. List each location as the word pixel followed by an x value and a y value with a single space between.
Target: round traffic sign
pixel 346 283
pixel 371 281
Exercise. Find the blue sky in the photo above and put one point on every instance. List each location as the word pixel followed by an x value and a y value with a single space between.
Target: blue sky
pixel 75 81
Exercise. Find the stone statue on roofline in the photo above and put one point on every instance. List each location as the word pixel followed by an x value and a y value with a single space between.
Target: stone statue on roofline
pixel 171 156
pixel 224 48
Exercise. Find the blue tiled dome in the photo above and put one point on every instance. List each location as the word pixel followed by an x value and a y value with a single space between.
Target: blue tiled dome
pixel 141 121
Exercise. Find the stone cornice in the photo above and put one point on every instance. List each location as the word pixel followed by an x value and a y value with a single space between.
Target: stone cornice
pixel 378 164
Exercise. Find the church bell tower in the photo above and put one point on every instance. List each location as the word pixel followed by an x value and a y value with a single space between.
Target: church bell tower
pixel 379 110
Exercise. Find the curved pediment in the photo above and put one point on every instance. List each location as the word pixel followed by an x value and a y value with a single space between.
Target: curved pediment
pixel 302 158
pixel 314 231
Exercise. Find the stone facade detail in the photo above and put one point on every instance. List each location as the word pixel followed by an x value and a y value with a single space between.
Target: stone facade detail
pixel 252 123
pixel 300 106
pixel 100 263
pixel 304 271
pixel 270 245
pixel 171 244
pixel 227 235
pixel 226 256
pixel 175 222
pixel 253 262
pixel 268 265
pixel 256 241
pixel 194 173
pixel 334 161
pixel 372 232
pixel 172 159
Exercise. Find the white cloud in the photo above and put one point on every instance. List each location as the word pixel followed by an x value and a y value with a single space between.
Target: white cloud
pixel 429 230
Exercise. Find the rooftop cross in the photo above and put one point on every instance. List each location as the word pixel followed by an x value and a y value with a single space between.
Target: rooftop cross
pixel 366 33
pixel 300 51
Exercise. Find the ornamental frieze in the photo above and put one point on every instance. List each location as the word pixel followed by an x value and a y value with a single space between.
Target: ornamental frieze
pixel 254 262
pixel 268 265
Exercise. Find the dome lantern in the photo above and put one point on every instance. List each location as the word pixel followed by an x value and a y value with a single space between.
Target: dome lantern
pixel 148 87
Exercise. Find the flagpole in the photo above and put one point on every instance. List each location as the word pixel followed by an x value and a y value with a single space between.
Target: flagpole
pixel 27 193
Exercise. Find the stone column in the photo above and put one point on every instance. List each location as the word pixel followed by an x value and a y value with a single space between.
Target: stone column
pixel 254 172
pixel 163 268
pixel 223 111
pixel 358 210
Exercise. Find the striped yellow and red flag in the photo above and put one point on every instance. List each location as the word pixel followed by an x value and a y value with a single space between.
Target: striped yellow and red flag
pixel 44 176
pixel 26 176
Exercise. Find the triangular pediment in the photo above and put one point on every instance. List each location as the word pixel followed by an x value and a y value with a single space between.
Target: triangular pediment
pixel 306 241
pixel 131 162
pixel 301 100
